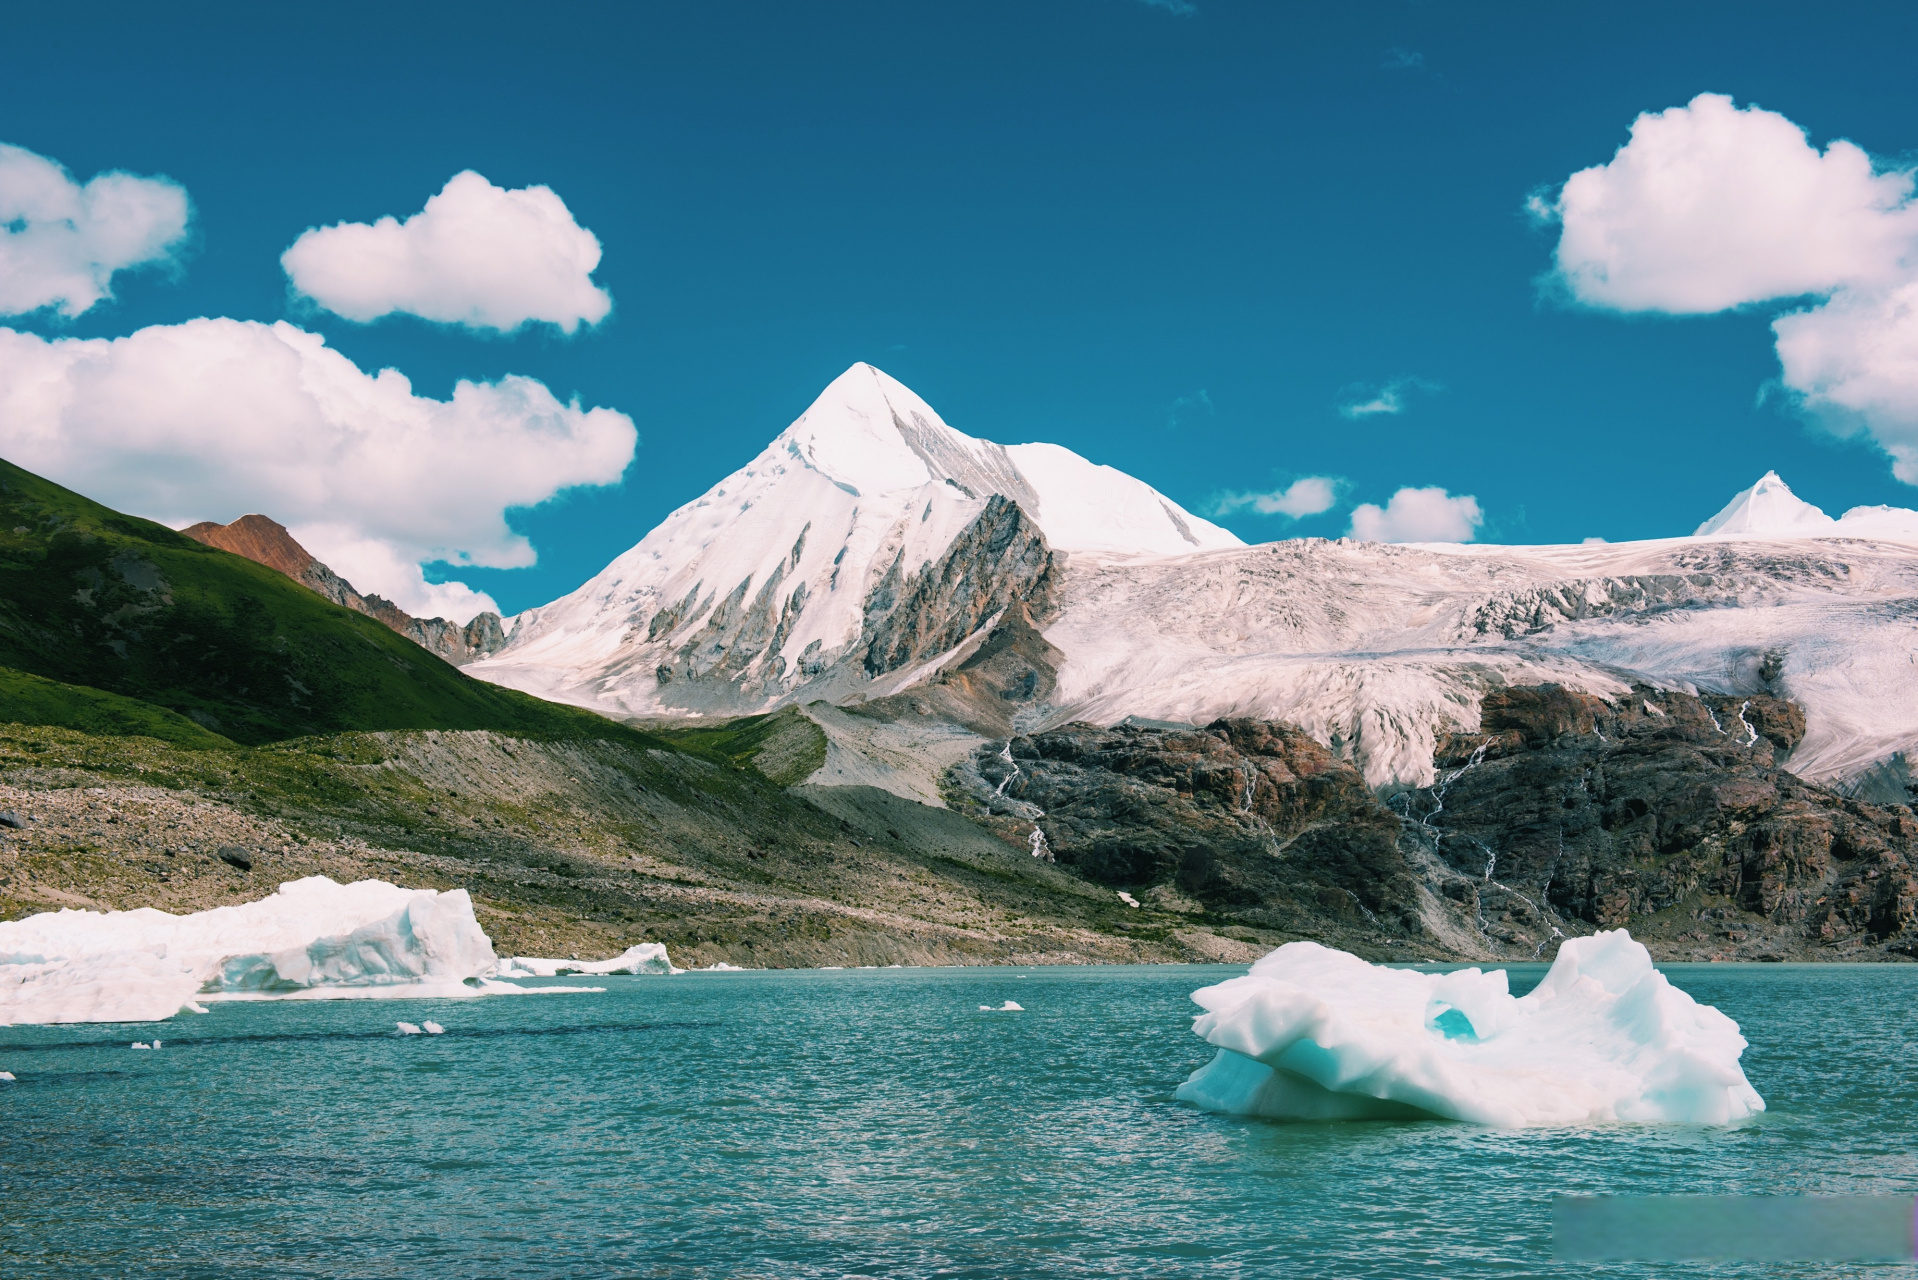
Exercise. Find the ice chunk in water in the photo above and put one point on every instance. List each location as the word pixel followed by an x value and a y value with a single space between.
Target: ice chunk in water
pixel 408 1028
pixel 1313 1033
pixel 312 937
pixel 1008 1007
pixel 432 1028
pixel 644 957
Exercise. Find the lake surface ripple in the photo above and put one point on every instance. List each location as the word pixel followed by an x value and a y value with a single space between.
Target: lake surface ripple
pixel 858 1123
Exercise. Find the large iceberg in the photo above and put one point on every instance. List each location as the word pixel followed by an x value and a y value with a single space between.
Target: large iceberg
pixel 644 957
pixel 314 937
pixel 1316 1034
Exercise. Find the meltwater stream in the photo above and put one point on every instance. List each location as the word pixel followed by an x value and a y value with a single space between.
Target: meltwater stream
pixel 858 1123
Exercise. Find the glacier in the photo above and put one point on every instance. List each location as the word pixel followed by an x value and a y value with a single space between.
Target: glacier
pixel 311 938
pixel 861 556
pixel 1316 1034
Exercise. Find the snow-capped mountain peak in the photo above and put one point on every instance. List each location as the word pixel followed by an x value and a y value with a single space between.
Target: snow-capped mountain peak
pixel 868 535
pixel 870 434
pixel 1769 509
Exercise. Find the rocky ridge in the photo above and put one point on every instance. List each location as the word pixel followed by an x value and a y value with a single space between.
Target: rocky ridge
pixel 266 541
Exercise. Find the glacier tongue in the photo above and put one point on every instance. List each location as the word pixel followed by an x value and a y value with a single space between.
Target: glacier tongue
pixel 312 937
pixel 1316 1034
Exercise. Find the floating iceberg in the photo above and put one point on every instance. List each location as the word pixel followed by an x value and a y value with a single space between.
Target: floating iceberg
pixel 313 937
pixel 645 957
pixel 1317 1034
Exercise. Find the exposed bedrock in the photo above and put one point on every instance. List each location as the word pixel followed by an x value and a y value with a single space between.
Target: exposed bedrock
pixel 1663 812
pixel 1669 814
pixel 999 561
pixel 1245 819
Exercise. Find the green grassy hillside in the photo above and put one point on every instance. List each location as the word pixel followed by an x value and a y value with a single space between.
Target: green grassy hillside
pixel 99 601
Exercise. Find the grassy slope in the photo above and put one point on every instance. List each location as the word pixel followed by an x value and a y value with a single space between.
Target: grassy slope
pixel 784 746
pixel 100 600
pixel 582 846
pixel 30 699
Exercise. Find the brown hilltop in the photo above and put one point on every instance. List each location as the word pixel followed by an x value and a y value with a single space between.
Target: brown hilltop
pixel 259 539
pixel 265 541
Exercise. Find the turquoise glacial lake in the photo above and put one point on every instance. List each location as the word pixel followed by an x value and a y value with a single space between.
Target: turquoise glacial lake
pixel 859 1123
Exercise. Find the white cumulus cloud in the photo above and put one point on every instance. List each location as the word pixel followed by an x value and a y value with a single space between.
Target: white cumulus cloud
pixel 1853 364
pixel 1419 515
pixel 61 241
pixel 1310 496
pixel 1710 206
pixel 476 255
pixel 211 419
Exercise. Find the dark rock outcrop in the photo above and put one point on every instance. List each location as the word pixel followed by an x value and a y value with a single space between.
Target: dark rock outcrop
pixel 1012 672
pixel 1665 813
pixel 1245 820
pixel 1668 814
pixel 267 542
pixel 999 560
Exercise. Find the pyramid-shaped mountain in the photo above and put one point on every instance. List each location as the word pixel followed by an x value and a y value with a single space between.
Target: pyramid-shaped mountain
pixel 868 537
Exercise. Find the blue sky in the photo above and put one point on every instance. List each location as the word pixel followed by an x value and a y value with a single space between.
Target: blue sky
pixel 1176 238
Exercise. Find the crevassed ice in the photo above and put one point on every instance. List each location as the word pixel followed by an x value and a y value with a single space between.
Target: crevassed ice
pixel 312 937
pixel 1317 1034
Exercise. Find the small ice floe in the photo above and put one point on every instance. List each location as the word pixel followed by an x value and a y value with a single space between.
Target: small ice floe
pixel 1010 1006
pixel 407 1028
pixel 1128 899
pixel 6 1077
pixel 433 1028
pixel 139 1044
pixel 643 957
pixel 1316 1034
pixel 156 1044
pixel 723 967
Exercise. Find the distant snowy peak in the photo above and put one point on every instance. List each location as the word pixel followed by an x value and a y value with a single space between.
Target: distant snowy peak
pixel 870 434
pixel 1769 509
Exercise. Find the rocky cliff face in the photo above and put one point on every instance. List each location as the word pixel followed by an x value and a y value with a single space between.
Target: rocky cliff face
pixel 1246 821
pixel 997 566
pixel 1669 814
pixel 1662 812
pixel 267 542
